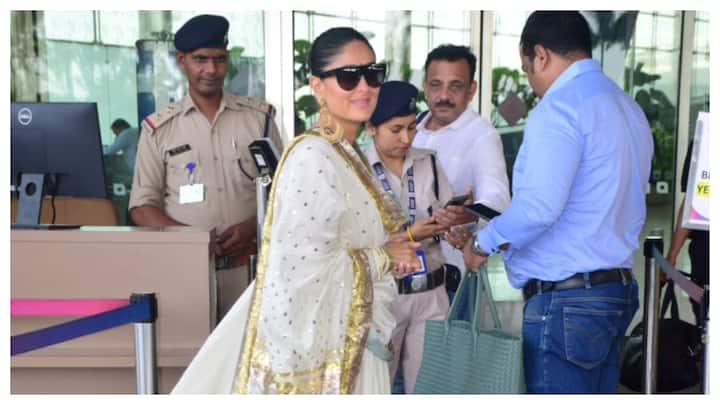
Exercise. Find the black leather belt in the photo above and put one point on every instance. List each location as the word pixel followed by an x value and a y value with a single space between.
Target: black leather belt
pixel 421 282
pixel 535 286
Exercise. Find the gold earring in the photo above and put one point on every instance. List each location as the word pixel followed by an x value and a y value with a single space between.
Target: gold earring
pixel 329 128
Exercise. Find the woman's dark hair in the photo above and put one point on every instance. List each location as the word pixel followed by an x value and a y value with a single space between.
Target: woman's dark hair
pixel 329 44
pixel 559 31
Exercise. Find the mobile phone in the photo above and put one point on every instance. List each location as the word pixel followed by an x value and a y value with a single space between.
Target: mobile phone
pixel 481 210
pixel 457 200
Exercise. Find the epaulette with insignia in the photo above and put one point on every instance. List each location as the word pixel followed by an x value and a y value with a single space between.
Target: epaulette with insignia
pixel 256 104
pixel 160 117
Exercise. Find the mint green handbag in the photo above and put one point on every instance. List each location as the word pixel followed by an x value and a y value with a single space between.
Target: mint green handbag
pixel 461 358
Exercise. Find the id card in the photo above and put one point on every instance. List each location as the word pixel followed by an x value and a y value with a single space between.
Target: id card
pixel 423 264
pixel 192 193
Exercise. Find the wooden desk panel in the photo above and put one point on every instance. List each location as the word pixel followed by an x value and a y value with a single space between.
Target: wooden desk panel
pixel 112 262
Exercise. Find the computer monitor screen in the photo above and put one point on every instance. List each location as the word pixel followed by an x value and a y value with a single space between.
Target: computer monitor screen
pixel 60 139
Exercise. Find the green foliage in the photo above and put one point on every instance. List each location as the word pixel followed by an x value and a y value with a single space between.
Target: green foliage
pixel 301 50
pixel 235 55
pixel 505 81
pixel 610 30
pixel 661 115
pixel 308 105
pixel 305 106
pixel 639 78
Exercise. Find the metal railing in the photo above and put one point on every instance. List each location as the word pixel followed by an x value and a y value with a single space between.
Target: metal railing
pixel 654 263
pixel 140 309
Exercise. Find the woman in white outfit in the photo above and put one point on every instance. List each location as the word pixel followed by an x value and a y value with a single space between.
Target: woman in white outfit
pixel 317 318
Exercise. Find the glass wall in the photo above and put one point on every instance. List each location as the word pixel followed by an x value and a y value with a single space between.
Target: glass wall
pixel 511 95
pixel 124 62
pixel 400 38
pixel 700 82
pixel 699 101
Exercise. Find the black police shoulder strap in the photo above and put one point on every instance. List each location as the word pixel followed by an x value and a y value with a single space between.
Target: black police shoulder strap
pixel 267 123
pixel 421 116
pixel 435 180
pixel 418 119
pixel 268 113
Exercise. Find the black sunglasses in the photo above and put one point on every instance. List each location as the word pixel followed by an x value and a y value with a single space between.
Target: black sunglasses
pixel 348 77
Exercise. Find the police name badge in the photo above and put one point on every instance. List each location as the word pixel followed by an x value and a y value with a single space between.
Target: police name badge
pixel 192 193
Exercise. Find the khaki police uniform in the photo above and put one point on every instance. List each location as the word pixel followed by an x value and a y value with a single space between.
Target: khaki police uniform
pixel 219 151
pixel 412 310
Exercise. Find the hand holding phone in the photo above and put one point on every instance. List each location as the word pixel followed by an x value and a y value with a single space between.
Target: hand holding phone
pixel 482 211
pixel 457 200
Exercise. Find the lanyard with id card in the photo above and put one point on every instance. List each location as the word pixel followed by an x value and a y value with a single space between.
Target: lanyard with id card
pixel 380 172
pixel 191 192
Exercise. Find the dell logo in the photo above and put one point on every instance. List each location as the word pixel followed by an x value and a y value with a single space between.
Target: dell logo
pixel 25 116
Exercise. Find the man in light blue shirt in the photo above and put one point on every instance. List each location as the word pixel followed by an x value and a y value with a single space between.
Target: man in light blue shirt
pixel 578 207
pixel 126 140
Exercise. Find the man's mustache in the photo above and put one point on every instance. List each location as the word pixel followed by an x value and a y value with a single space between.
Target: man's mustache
pixel 445 103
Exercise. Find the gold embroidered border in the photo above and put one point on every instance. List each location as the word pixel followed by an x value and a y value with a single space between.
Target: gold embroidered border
pixel 322 367
pixel 321 379
pixel 391 213
pixel 359 321
pixel 243 371
pixel 327 382
pixel 382 261
pixel 360 314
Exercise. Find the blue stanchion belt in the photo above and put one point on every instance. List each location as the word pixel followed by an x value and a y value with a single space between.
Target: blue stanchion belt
pixel 141 311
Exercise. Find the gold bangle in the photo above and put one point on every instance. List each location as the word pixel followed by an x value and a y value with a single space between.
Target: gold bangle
pixel 409 234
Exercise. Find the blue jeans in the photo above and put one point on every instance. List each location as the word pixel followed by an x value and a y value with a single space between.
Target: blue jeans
pixel 572 338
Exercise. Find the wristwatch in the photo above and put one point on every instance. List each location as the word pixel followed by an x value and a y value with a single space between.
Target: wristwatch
pixel 477 250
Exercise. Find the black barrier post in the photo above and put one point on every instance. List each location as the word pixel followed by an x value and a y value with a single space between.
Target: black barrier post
pixel 704 320
pixel 146 346
pixel 650 316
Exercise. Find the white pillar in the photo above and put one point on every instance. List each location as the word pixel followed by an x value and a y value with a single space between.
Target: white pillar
pixel 279 68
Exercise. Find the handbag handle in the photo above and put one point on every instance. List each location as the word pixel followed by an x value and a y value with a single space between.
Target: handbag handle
pixel 669 299
pixel 468 297
pixel 483 285
pixel 461 298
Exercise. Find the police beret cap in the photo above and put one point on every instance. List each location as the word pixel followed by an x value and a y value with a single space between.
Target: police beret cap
pixel 396 99
pixel 202 31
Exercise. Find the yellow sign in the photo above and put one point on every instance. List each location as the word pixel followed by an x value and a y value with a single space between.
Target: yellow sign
pixel 696 214
pixel 702 189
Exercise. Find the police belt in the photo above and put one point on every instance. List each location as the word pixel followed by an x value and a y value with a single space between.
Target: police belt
pixel 577 280
pixel 421 282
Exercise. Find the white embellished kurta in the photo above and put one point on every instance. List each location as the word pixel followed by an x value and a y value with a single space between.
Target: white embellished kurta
pixel 323 283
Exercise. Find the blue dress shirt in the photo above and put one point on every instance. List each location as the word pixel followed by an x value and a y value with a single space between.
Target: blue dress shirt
pixel 579 181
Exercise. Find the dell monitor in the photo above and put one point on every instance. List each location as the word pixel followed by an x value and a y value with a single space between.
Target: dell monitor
pixel 55 149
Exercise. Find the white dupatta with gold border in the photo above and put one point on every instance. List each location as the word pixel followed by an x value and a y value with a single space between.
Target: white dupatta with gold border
pixel 323 282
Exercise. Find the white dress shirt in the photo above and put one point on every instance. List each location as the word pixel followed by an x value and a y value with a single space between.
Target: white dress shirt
pixel 471 154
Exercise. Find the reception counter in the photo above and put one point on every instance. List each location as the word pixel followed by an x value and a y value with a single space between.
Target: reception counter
pixel 94 262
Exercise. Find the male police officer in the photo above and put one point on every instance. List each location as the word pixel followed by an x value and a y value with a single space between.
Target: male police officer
pixel 193 165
